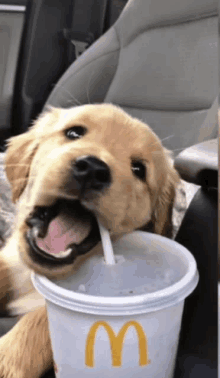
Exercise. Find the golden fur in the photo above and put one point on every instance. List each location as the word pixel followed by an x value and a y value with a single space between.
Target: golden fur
pixel 38 165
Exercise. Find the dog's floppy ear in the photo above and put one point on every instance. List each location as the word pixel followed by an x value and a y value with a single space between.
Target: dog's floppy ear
pixel 162 215
pixel 161 221
pixel 19 154
pixel 21 150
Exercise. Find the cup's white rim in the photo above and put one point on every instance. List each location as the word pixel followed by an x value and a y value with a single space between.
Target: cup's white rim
pixel 181 289
pixel 122 300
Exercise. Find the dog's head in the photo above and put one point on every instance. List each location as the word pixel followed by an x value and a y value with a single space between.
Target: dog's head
pixel 76 165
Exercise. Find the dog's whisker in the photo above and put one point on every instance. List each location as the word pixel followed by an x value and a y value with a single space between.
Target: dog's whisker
pixel 57 193
pixel 170 136
pixel 88 87
pixel 162 140
pixel 179 149
pixel 18 164
pixel 5 212
pixel 77 102
pixel 21 179
pixel 87 93
pixel 155 143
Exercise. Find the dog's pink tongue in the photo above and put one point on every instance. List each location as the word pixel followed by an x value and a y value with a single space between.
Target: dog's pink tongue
pixel 62 231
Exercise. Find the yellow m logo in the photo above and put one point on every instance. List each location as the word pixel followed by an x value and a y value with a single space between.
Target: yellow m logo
pixel 116 343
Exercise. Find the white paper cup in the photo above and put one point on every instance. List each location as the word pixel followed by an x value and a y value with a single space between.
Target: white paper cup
pixel 121 320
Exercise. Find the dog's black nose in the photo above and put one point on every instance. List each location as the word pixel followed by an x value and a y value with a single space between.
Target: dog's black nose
pixel 91 173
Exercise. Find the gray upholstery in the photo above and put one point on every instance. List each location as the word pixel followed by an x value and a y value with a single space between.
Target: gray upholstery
pixel 159 62
pixel 11 25
pixel 198 159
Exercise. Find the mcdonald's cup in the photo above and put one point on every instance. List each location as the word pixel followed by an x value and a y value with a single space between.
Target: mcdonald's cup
pixel 121 321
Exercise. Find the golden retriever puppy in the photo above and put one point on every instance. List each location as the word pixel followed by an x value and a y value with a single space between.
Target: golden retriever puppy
pixel 73 166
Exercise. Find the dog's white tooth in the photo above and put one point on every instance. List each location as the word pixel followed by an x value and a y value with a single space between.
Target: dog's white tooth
pixel 63 253
pixel 35 232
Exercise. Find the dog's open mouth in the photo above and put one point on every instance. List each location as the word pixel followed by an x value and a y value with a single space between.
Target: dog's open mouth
pixel 59 233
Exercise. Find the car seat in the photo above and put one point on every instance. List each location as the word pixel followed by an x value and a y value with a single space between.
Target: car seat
pixel 53 32
pixel 159 62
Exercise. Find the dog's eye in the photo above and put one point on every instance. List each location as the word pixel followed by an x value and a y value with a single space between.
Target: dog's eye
pixel 75 132
pixel 139 169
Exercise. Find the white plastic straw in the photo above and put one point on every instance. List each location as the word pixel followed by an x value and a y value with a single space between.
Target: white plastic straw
pixel 107 245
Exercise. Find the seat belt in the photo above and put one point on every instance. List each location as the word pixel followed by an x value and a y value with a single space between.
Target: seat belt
pixel 87 25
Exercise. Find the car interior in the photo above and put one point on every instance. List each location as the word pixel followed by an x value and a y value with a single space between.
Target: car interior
pixel 158 60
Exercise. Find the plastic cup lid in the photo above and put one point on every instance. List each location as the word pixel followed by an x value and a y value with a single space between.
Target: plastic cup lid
pixel 151 272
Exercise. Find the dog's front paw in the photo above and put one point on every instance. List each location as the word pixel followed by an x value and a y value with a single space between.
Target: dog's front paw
pixel 25 351
pixel 5 285
pixel 9 363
